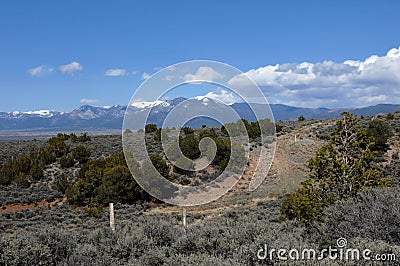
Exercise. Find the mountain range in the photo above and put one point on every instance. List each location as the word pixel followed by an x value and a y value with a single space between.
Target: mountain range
pixel 94 118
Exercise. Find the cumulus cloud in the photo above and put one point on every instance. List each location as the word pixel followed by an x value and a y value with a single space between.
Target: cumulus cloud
pixel 89 101
pixel 70 68
pixel 146 75
pixel 168 77
pixel 204 73
pixel 39 70
pixel 373 80
pixel 115 72
pixel 223 96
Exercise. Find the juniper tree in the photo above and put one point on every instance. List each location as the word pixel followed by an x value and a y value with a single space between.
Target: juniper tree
pixel 380 132
pixel 346 164
pixel 81 154
pixel 341 168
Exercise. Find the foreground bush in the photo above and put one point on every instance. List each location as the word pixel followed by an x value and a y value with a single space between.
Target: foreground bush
pixel 373 215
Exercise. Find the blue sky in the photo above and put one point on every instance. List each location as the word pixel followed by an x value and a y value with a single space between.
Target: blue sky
pixel 60 54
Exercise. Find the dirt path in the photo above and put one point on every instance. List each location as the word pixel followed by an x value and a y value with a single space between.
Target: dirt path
pixel 394 148
pixel 31 206
pixel 289 167
pixel 50 173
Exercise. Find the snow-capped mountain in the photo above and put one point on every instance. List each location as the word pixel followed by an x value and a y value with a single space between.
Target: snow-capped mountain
pixel 141 105
pixel 39 113
pixel 85 117
pixel 88 117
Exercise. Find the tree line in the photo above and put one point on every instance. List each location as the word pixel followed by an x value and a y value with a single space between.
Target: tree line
pixel 25 169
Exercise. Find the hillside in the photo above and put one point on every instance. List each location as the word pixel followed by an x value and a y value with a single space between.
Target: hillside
pixel 39 225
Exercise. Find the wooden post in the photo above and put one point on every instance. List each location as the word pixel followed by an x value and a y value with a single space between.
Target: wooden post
pixel 112 222
pixel 184 217
pixel 295 138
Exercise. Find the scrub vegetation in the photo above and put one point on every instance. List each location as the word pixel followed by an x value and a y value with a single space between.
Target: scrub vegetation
pixel 330 178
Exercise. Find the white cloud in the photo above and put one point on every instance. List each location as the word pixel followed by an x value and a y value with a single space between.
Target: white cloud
pixel 168 77
pixel 115 72
pixel 350 83
pixel 223 96
pixel 145 75
pixel 134 72
pixel 204 73
pixel 70 68
pixel 39 70
pixel 373 99
pixel 89 101
pixel 35 71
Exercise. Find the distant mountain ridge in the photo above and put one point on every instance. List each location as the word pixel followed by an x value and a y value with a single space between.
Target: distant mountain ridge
pixel 89 118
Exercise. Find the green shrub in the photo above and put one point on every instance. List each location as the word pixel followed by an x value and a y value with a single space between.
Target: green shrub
pixel 46 156
pixel 81 154
pixel 63 136
pixel 306 205
pixel 21 180
pixel 84 137
pixel 278 128
pixel 301 118
pixel 103 181
pixel 149 128
pixel 341 169
pixel 25 251
pixel 66 161
pixel 189 146
pixel 36 172
pixel 58 147
pixel 390 116
pixel 379 132
pixel 161 165
pixel 371 215
pixel 61 183
pixel 187 130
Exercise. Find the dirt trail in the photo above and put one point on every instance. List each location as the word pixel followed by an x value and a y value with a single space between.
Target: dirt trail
pixel 50 173
pixel 288 168
pixel 293 150
pixel 394 148
pixel 31 206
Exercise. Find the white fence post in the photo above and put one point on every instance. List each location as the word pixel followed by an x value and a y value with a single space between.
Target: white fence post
pixel 112 221
pixel 184 217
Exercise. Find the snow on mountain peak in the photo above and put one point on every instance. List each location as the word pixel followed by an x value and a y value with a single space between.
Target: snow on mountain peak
pixel 150 104
pixel 44 113
pixel 204 99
